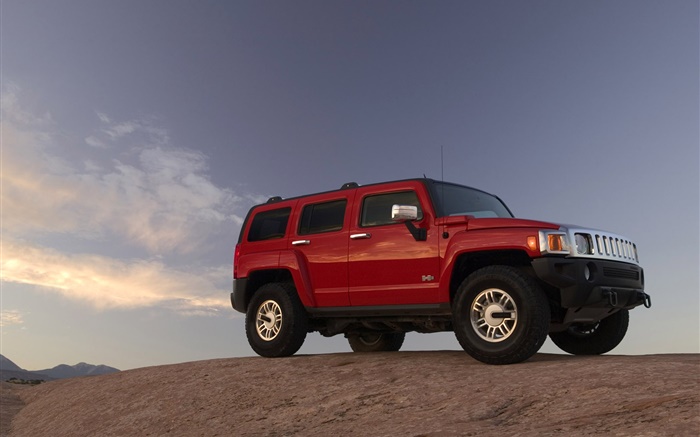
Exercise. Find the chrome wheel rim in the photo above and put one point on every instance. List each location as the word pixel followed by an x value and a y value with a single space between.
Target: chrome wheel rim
pixel 494 315
pixel 268 320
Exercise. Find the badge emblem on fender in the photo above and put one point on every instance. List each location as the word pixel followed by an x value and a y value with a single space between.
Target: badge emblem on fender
pixel 427 278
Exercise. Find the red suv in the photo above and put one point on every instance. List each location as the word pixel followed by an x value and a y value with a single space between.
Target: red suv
pixel 376 261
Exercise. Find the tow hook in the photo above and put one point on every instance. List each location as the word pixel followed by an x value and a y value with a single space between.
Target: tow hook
pixel 612 298
pixel 647 301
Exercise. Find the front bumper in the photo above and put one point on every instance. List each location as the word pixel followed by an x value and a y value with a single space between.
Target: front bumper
pixel 593 283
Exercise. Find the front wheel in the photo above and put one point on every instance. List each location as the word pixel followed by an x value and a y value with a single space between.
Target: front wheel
pixel 500 315
pixel 594 338
pixel 276 322
pixel 376 341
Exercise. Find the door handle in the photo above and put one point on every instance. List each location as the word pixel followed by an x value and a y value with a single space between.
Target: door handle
pixel 301 242
pixel 360 236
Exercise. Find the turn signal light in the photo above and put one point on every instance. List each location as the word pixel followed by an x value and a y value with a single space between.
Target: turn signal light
pixel 532 243
pixel 556 243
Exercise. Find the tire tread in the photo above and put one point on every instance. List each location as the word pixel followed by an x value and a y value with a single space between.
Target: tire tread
pixel 390 342
pixel 605 338
pixel 536 328
pixel 295 321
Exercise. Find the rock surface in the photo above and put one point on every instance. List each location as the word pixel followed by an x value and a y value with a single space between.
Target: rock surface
pixel 399 393
pixel 10 404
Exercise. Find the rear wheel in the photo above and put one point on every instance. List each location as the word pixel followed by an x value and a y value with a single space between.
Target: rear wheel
pixel 500 315
pixel 594 338
pixel 376 341
pixel 276 322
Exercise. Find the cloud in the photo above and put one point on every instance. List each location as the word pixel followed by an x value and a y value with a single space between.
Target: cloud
pixel 13 112
pixel 163 202
pixel 95 142
pixel 106 283
pixel 104 118
pixel 10 317
pixel 27 177
pixel 111 131
pixel 130 192
pixel 121 129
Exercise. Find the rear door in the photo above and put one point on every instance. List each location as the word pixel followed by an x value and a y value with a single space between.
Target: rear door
pixel 387 266
pixel 321 235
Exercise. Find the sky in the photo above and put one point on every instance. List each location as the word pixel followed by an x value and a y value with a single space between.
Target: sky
pixel 136 136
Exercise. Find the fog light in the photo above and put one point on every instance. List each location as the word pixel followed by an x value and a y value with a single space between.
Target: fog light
pixel 589 271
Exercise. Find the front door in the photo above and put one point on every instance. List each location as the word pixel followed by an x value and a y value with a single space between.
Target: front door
pixel 387 266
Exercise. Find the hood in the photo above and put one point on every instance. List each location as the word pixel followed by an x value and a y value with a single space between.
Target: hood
pixel 493 223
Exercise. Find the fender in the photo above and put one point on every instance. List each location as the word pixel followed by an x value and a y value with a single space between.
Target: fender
pixel 490 240
pixel 293 261
pixel 258 261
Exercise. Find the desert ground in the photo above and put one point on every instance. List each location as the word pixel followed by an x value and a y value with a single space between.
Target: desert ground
pixel 442 393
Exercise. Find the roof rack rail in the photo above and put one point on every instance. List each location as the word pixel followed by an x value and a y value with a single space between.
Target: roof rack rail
pixel 274 199
pixel 349 185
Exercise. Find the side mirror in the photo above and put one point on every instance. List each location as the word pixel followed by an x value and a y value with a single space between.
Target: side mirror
pixel 405 214
pixel 401 213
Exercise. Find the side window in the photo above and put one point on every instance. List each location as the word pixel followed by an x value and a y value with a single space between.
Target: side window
pixel 376 210
pixel 268 225
pixel 322 217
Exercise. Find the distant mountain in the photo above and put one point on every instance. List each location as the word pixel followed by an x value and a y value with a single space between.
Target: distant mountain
pixel 8 370
pixel 81 369
pixel 6 364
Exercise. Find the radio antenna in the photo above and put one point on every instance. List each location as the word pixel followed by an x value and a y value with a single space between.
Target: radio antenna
pixel 442 178
pixel 442 166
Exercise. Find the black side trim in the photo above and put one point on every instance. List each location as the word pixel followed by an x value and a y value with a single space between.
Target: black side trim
pixel 382 310
pixel 238 297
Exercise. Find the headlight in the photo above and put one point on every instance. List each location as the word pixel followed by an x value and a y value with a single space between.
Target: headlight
pixel 584 244
pixel 554 242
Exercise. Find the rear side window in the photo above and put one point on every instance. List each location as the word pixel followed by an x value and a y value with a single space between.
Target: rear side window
pixel 376 210
pixel 322 217
pixel 268 225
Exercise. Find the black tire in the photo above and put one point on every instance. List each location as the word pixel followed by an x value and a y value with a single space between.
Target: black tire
pixel 593 339
pixel 376 341
pixel 276 322
pixel 500 315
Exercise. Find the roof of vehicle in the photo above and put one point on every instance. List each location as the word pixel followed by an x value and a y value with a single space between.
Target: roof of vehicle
pixel 352 185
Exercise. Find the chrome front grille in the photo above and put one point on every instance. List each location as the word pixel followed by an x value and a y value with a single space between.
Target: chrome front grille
pixel 603 245
pixel 616 247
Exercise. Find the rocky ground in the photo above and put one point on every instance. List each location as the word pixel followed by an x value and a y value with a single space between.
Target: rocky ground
pixel 398 394
pixel 10 404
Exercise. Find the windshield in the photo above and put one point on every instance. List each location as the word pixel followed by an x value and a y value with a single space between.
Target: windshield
pixel 453 199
